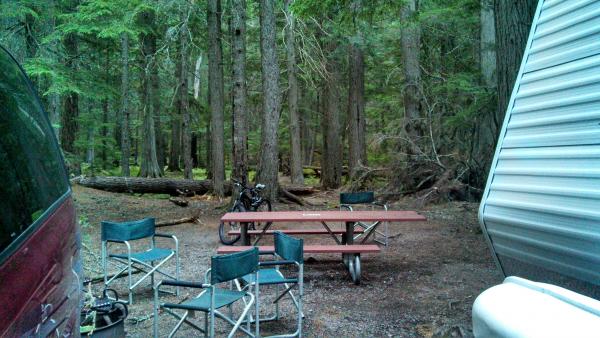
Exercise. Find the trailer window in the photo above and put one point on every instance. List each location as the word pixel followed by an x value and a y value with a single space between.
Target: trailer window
pixel 31 170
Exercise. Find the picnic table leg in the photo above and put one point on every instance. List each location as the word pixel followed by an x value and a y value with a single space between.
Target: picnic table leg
pixel 244 233
pixel 348 239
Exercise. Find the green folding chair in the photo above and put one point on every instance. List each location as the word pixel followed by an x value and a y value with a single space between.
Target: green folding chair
pixel 149 261
pixel 289 251
pixel 224 268
pixel 348 199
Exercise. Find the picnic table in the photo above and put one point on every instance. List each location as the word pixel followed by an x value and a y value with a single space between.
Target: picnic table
pixel 344 245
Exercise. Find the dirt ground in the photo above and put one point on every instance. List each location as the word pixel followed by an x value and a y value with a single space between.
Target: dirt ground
pixel 422 285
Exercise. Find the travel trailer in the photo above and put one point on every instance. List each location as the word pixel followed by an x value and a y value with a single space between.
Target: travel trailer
pixel 540 211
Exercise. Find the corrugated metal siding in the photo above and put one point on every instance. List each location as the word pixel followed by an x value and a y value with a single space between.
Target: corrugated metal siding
pixel 541 205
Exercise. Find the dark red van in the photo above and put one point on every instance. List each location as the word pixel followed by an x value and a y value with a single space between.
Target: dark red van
pixel 39 237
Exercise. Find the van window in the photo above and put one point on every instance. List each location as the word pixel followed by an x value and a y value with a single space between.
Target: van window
pixel 32 175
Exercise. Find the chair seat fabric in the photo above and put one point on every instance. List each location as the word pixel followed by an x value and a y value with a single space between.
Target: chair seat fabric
pixel 223 297
pixel 266 276
pixel 147 256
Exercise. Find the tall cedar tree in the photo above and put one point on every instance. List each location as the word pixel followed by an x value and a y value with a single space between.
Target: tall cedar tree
pixel 149 164
pixel 124 118
pixel 183 86
pixel 240 125
pixel 215 81
pixel 297 176
pixel 268 165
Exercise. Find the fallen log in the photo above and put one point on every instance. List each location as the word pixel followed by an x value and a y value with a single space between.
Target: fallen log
pixel 176 221
pixel 179 201
pixel 299 190
pixel 293 198
pixel 160 185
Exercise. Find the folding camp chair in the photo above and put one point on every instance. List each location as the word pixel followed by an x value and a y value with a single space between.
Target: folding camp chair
pixel 291 252
pixel 148 261
pixel 366 198
pixel 224 268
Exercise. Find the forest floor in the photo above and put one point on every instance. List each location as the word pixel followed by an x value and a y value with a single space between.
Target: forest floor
pixel 422 285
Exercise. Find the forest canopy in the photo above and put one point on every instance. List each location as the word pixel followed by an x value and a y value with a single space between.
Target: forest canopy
pixel 406 97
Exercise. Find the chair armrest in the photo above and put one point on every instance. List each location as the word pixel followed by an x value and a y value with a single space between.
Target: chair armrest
pixel 115 241
pixel 206 274
pixel 164 235
pixel 346 206
pixel 184 283
pixel 270 263
pixel 167 236
pixel 383 205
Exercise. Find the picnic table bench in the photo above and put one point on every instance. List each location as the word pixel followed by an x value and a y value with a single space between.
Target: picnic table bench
pixel 295 232
pixel 344 245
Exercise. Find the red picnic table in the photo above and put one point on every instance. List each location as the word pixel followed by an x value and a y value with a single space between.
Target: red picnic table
pixel 345 245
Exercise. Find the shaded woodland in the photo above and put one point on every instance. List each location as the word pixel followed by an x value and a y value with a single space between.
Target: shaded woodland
pixel 405 97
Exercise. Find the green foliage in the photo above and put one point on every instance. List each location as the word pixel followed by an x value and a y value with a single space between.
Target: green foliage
pixel 453 100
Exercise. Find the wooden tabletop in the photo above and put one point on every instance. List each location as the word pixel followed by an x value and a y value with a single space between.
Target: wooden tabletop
pixel 323 216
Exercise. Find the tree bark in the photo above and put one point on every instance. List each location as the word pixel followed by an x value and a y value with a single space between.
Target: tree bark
pixel 488 44
pixel 183 86
pixel 105 107
pixel 332 147
pixel 410 43
pixel 175 150
pixel 160 185
pixel 513 20
pixel 125 145
pixel 149 161
pixel 71 103
pixel 356 110
pixel 158 126
pixel 215 81
pixel 296 176
pixel 268 165
pixel 240 119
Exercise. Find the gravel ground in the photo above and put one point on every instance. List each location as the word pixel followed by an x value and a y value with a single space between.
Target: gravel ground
pixel 422 285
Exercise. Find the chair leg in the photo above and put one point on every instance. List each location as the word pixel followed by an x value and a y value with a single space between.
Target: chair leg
pixel 256 310
pixel 104 263
pixel 179 323
pixel 277 305
pixel 177 268
pixel 205 324
pixel 155 324
pixel 152 275
pixel 300 298
pixel 129 280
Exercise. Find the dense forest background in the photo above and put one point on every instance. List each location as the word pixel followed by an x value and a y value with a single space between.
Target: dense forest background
pixel 407 97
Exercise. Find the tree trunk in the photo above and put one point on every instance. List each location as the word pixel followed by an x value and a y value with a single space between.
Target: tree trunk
pixel 105 107
pixel 268 165
pixel 410 43
pixel 147 185
pixel 240 119
pixel 215 80
pixel 163 185
pixel 71 104
pixel 332 147
pixel 488 44
pixel 297 176
pixel 158 126
pixel 194 149
pixel 149 161
pixel 513 20
pixel 183 86
pixel 356 110
pixel 175 151
pixel 125 145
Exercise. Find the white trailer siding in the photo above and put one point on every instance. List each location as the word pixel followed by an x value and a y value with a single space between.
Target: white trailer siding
pixel 541 204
